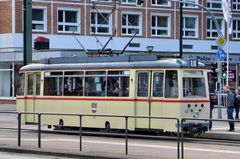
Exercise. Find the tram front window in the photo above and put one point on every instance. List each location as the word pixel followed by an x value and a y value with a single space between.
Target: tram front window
pixel 194 88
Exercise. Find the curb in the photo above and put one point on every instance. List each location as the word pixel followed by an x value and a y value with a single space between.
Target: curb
pixel 61 153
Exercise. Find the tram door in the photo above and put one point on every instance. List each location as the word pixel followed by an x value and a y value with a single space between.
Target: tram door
pixel 33 90
pixel 149 89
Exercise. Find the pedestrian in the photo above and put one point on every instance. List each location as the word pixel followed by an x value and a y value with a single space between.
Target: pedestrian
pixel 230 103
pixel 237 102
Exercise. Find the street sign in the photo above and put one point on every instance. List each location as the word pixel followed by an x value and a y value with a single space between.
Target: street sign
pixel 221 54
pixel 220 41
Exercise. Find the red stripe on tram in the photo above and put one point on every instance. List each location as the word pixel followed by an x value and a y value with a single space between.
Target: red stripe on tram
pixel 116 99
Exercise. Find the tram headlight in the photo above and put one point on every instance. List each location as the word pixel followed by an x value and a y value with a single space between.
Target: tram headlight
pixel 196 114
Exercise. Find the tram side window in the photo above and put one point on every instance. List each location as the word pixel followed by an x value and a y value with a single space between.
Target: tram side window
pixel 30 85
pixel 21 85
pixel 171 84
pixel 53 86
pixel 95 86
pixel 143 84
pixel 158 84
pixel 73 86
pixel 118 86
pixel 38 83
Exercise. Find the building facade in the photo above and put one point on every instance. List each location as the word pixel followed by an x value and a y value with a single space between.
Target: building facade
pixel 74 26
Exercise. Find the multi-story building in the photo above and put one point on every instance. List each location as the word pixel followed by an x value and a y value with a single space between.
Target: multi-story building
pixel 73 26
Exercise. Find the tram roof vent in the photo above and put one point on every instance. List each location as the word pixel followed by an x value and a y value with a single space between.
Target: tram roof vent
pixel 123 58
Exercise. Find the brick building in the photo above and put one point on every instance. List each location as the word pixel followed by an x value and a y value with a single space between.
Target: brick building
pixel 66 23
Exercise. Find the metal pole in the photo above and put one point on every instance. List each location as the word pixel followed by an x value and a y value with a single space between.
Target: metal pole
pixel 27 37
pixel 181 31
pixel 220 89
pixel 126 135
pixel 227 82
pixel 13 80
pixel 178 142
pixel 80 132
pixel 182 139
pixel 19 129
pixel 39 130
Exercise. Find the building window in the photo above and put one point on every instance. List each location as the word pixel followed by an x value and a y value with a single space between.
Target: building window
pixel 190 27
pixel 39 19
pixel 101 23
pixel 160 25
pixel 214 4
pixel 129 1
pixel 212 29
pixel 190 5
pixel 236 29
pixel 68 21
pixel 131 24
pixel 236 4
pixel 160 3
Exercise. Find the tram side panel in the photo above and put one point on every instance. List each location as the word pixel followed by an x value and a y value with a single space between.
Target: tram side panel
pixel 91 107
pixel 165 109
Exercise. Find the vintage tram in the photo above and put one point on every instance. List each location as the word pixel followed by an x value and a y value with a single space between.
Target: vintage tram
pixel 157 87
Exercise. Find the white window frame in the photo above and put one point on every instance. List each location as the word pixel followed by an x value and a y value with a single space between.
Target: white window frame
pixel 127 2
pixel 99 25
pixel 185 5
pixel 236 3
pixel 214 1
pixel 163 28
pixel 165 5
pixel 44 22
pixel 195 29
pixel 78 24
pixel 236 31
pixel 128 26
pixel 214 30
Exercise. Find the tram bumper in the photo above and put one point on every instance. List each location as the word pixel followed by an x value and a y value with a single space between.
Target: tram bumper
pixel 194 128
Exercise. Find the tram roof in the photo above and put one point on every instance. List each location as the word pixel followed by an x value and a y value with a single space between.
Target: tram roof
pixel 163 63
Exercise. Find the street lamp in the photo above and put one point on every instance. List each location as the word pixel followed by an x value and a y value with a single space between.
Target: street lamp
pixel 150 49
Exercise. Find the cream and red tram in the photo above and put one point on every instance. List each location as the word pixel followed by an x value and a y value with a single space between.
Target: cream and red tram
pixel 167 87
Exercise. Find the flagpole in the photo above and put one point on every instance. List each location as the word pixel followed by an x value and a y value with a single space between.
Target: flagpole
pixel 227 82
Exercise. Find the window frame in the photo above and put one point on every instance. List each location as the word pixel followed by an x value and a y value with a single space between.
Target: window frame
pixel 222 25
pixel 188 29
pixel 127 2
pixel 236 3
pixel 236 31
pixel 96 20
pixel 210 2
pixel 156 28
pixel 45 19
pixel 64 24
pixel 161 5
pixel 139 27
pixel 195 2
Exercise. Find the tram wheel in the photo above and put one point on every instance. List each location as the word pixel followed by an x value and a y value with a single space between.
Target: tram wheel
pixel 61 124
pixel 107 127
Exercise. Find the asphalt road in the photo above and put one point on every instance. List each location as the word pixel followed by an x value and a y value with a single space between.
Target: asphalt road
pixel 5 155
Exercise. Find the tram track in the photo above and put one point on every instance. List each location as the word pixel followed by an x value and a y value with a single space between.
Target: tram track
pixel 132 135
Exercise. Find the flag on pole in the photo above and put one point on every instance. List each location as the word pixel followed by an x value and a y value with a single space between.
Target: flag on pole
pixel 227 13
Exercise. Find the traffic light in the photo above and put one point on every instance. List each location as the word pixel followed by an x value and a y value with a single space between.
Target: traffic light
pixel 224 70
pixel 140 2
pixel 214 71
